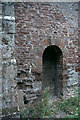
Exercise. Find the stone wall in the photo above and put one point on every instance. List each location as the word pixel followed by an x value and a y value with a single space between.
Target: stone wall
pixel 27 30
pixel 8 58
pixel 0 60
pixel 39 25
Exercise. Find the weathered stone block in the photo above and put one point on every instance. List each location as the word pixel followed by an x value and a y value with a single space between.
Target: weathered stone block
pixel 38 61
pixel 8 26
pixel 8 9
pixel 20 101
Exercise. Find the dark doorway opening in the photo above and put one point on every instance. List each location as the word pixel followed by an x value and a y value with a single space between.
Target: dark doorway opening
pixel 52 69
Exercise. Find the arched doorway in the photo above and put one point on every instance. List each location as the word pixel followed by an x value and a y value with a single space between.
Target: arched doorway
pixel 52 69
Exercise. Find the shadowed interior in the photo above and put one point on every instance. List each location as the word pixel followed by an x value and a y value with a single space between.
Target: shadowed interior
pixel 52 69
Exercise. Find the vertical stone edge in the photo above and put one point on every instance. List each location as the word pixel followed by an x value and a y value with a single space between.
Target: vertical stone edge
pixel 9 67
pixel 18 93
pixel 79 47
pixel 0 60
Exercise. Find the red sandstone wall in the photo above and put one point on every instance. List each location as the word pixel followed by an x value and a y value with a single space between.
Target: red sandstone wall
pixel 39 25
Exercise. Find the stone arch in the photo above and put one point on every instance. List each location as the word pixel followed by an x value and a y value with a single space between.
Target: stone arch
pixel 52 67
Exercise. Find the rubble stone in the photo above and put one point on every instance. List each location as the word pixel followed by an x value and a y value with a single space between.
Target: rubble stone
pixel 28 29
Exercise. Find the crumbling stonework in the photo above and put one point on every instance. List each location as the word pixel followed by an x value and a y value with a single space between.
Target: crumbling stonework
pixel 39 25
pixel 0 62
pixel 34 27
pixel 8 58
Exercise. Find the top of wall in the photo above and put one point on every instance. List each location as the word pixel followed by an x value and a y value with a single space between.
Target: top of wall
pixel 39 0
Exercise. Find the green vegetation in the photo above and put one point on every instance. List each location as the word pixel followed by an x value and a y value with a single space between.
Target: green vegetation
pixel 71 105
pixel 40 109
pixel 46 107
pixel 7 111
